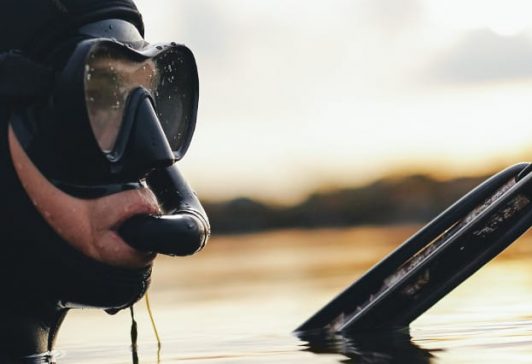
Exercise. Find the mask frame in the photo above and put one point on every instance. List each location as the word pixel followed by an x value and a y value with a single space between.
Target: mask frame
pixel 43 126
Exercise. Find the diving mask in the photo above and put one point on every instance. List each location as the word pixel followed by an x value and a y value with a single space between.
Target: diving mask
pixel 117 116
pixel 120 112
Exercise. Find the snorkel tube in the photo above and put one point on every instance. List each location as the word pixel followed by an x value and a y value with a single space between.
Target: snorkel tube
pixel 183 230
pixel 434 261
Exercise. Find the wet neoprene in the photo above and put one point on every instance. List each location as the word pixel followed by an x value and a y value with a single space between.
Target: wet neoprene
pixel 43 276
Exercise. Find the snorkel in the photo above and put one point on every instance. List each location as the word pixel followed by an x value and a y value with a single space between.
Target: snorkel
pixel 434 261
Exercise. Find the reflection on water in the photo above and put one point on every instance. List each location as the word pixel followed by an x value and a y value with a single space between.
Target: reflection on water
pixel 386 347
pixel 239 300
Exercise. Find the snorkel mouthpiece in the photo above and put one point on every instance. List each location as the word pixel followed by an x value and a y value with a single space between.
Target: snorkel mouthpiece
pixel 183 231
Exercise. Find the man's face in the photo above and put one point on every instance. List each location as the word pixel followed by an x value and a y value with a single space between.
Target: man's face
pixel 88 225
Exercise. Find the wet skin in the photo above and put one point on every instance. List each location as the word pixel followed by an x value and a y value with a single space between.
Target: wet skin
pixel 88 225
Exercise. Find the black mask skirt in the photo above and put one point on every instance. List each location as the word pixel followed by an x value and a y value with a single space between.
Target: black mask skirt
pixel 43 275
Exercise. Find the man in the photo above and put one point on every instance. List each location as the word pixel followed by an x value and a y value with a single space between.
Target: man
pixel 92 122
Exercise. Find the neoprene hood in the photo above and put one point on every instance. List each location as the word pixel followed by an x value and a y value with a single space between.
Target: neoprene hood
pixel 33 25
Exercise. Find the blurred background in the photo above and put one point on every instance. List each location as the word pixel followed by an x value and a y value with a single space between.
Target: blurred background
pixel 317 99
pixel 328 132
pixel 305 97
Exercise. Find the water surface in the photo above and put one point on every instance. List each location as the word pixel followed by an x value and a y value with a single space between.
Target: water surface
pixel 239 300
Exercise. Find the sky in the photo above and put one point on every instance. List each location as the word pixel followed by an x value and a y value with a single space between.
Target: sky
pixel 300 95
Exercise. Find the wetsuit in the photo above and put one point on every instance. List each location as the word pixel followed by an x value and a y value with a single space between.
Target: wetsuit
pixel 42 274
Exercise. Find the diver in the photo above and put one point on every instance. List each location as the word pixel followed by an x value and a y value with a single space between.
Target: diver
pixel 92 122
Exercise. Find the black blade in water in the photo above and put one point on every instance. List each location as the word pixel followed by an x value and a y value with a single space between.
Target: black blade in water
pixel 435 260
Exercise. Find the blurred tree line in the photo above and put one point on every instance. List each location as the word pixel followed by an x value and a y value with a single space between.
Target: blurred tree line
pixel 410 199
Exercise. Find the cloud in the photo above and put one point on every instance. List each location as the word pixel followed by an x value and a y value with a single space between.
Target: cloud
pixel 393 16
pixel 484 56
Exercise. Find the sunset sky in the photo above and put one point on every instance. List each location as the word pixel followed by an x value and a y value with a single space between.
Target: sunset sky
pixel 298 95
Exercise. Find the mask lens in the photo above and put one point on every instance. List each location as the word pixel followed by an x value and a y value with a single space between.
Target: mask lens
pixel 112 72
pixel 170 99
pixel 110 76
